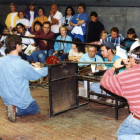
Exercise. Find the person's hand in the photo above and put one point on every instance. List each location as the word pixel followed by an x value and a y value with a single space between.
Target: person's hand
pixel 34 50
pixel 55 53
pixel 45 42
pixel 127 63
pixel 31 35
pixel 117 63
pixel 51 12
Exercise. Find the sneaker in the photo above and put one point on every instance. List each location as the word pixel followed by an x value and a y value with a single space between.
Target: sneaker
pixel 11 113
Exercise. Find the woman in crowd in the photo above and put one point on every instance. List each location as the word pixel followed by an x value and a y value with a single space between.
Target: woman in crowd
pixel 69 12
pixel 77 50
pixel 41 17
pixel 37 26
pixel 23 20
pixel 62 49
pixel 26 41
pixel 12 17
pixel 131 34
pixel 131 38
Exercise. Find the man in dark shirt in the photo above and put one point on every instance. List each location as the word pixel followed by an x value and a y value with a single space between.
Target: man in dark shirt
pixel 45 33
pixel 95 28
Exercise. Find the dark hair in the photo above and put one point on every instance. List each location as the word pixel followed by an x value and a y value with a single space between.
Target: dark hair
pixel 37 23
pixel 132 31
pixel 14 29
pixel 42 9
pixel 102 45
pixel 47 22
pixel 22 12
pixel 114 29
pixel 93 13
pixel 136 51
pixel 73 12
pixel 80 47
pixel 20 24
pixel 82 5
pixel 12 41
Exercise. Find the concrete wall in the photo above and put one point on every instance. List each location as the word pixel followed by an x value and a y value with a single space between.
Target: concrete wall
pixel 121 17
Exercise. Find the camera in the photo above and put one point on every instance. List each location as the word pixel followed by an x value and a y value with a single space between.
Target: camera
pixel 66 24
pixel 60 52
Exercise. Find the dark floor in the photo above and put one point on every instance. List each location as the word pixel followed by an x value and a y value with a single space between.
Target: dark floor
pixel 84 123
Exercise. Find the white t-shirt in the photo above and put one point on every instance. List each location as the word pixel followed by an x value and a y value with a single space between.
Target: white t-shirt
pixel 55 28
pixel 24 21
pixel 31 17
pixel 12 18
pixel 73 53
pixel 27 40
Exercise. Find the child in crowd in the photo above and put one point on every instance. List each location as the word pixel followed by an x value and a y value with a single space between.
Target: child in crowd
pixel 14 31
pixel 103 37
pixel 2 41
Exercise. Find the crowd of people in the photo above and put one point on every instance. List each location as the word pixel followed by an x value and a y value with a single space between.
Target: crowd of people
pixel 70 27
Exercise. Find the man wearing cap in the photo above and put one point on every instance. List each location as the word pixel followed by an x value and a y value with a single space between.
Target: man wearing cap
pixel 107 51
pixel 31 14
pixel 127 85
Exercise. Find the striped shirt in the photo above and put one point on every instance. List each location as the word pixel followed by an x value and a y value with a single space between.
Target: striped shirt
pixel 125 84
pixel 115 41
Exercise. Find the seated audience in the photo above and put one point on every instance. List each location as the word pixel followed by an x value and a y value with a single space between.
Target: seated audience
pixel 115 37
pixel 26 41
pixel 12 17
pixel 90 56
pixel 14 84
pixel 55 18
pixel 131 38
pixel 23 20
pixel 95 28
pixel 79 23
pixel 62 49
pixel 77 50
pixel 45 33
pixel 69 12
pixel 31 14
pixel 107 51
pixel 41 17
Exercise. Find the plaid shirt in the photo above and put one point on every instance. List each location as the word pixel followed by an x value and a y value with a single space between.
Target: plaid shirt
pixel 115 41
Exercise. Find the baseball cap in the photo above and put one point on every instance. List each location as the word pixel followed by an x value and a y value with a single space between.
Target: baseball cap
pixel 109 45
pixel 32 3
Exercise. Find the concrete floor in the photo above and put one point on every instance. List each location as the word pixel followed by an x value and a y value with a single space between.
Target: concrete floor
pixel 84 123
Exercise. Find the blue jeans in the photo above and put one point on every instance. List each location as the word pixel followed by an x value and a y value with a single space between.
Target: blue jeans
pixel 33 108
pixel 62 57
pixel 40 55
pixel 129 129
pixel 95 87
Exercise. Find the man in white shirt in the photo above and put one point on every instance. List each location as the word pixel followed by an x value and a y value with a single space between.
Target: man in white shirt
pixel 55 18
